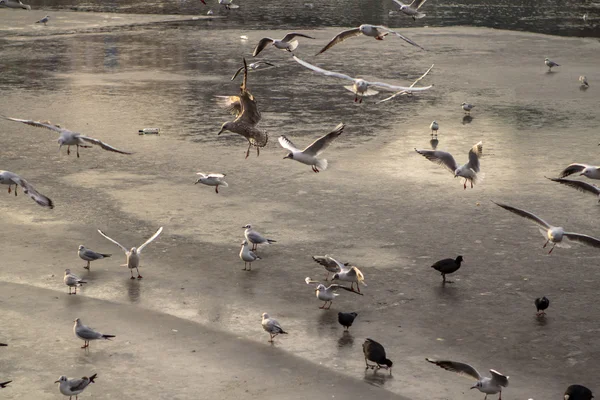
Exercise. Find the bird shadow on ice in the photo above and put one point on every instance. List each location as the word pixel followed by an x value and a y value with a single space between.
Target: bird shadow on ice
pixel 434 143
pixel 447 292
pixel 326 322
pixel 346 340
pixel 377 377
pixel 583 88
pixel 133 290
pixel 467 119
pixel 541 320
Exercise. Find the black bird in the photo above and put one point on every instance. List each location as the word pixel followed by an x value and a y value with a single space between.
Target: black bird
pixel 541 303
pixel 578 392
pixel 346 319
pixel 447 266
pixel 376 353
pixel 3 384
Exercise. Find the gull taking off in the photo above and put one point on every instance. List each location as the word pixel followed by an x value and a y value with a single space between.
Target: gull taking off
pixel 68 138
pixel 549 63
pixel 309 155
pixel 287 43
pixel 411 9
pixel 360 87
pixel 468 171
pixel 589 171
pixel 86 333
pixel 228 4
pixel 271 326
pixel 255 238
pixel 553 234
pixel 90 255
pixel 10 178
pixel 43 20
pixel 212 180
pixel 327 294
pixel 331 264
pixel 72 281
pixel 74 387
pixel 247 256
pixel 350 274
pixel 133 255
pixel 374 31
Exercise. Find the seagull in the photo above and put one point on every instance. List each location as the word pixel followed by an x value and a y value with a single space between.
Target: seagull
pixel 467 107
pixel 434 127
pixel 72 280
pixel 253 67
pixel 43 20
pixel 360 87
pixel 350 274
pixel 549 63
pixel 411 9
pixel 212 180
pixel 4 384
pixel 346 319
pixel 86 333
pixel 10 178
pixel 74 387
pixel 409 91
pixel 541 303
pixel 447 266
pixel 589 171
pixel 330 264
pixel 309 155
pixel 584 17
pixel 228 4
pixel 15 4
pixel 374 31
pixel 90 255
pixel 327 294
pixel 485 385
pixel 68 138
pixel 247 256
pixel 255 238
pixel 287 43
pixel 467 171
pixel 133 255
pixel 272 326
pixel 579 185
pixel 376 353
pixel 553 234
pixel 578 392
pixel 247 116
pixel 583 80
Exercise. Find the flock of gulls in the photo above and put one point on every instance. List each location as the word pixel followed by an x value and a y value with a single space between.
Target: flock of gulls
pixel 247 117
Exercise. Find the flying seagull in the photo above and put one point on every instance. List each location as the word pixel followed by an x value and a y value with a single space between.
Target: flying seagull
pixel 549 63
pixel 374 31
pixel 447 266
pixel 255 238
pixel 228 4
pixel 541 304
pixel 309 155
pixel 134 254
pixel 10 178
pixel 86 333
pixel 331 264
pixel 271 326
pixel 553 234
pixel 90 255
pixel 253 67
pixel 68 138
pixel 589 171
pixel 72 280
pixel 360 87
pixel 579 185
pixel 327 294
pixel 411 9
pixel 212 180
pixel 287 43
pixel 375 352
pixel 247 256
pixel 408 91
pixel 74 387
pixel 485 385
pixel 467 171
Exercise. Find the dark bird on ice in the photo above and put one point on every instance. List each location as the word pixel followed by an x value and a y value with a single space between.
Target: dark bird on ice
pixel 541 303
pixel 346 319
pixel 447 266
pixel 376 353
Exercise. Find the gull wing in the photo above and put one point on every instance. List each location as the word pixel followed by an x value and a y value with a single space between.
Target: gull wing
pixel 114 241
pixel 292 35
pixel 329 263
pixel 397 88
pixel 399 3
pixel 216 175
pixel 388 30
pixel 319 145
pixel 310 281
pixel 3 384
pixel 256 237
pixel 102 144
pixel 335 286
pixel 147 242
pixel 581 238
pixel 410 87
pixel 526 214
pixel 440 157
pixel 87 333
pixel 232 104
pixel 37 124
pixel 578 185
pixel 92 254
pixel 78 384
pixel 202 174
pixel 264 42
pixel 458 367
pixel 321 70
pixel 498 378
pixel 572 169
pixel 340 37
pixel 416 4
pixel 249 113
pixel 287 144
pixel 474 155
pixel 31 192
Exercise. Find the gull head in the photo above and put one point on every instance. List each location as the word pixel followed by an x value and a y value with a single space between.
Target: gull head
pixel 61 379
pixel 361 85
pixel 289 155
pixel 587 171
pixel 133 250
pixel 320 287
pixel 335 276
pixel 77 320
pixel 478 385
pixel 81 247
pixel 245 243
pixel 248 226
pixel 546 59
pixel 265 316
pixel 404 7
pixel 67 271
pixel 224 127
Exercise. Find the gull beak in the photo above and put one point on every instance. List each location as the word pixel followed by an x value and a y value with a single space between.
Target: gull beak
pixel 56 381
pixel 582 172
pixel 221 131
pixel 197 181
pixel 286 157
pixel 473 387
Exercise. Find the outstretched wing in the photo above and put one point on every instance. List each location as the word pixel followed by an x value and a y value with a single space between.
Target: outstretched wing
pixel 147 242
pixel 440 157
pixel 526 214
pixel 287 144
pixel 249 113
pixel 329 263
pixel 458 367
pixel 232 104
pixel 397 88
pixel 31 192
pixel 37 124
pixel 416 4
pixel 581 238
pixel 474 155
pixel 388 30
pixel 572 169
pixel 292 35
pixel 319 145
pixel 403 92
pixel 102 144
pixel 264 42
pixel 399 3
pixel 321 70
pixel 114 241
pixel 340 37
pixel 498 378
pixel 578 185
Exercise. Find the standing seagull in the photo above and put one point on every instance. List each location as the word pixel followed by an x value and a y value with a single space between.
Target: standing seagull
pixel 485 385
pixel 579 185
pixel 327 294
pixel 247 256
pixel 90 255
pixel 72 280
pixel 86 333
pixel 553 234
pixel 74 387
pixel 411 9
pixel 447 266
pixel 468 171
pixel 350 274
pixel 68 138
pixel 331 264
pixel 434 128
pixel 589 171
pixel 43 20
pixel 374 31
pixel 272 326
pixel 255 238
pixel 212 180
pixel 541 304
pixel 247 116
pixel 549 63
pixel 467 107
pixel 10 178
pixel 583 80
pixel 284 44
pixel 133 255
pixel 309 155
pixel 375 352
pixel 578 392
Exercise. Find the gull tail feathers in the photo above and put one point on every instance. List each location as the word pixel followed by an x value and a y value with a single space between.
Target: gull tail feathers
pixel 293 45
pixel 107 337
pixel 368 92
pixel 322 164
pixel 224 184
pixel 419 15
pixel 271 241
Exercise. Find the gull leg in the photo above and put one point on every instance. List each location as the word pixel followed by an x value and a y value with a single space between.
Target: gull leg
pixel 471 184
pixel 138 271
pixel 9 190
pixel 465 184
pixel 88 265
pixel 257 151
pixel 217 189
pixel 131 270
pixel 16 187
pixel 355 99
pixel 327 277
pixel 378 38
pixel 553 244
pixel 68 150
pixel 244 266
pixel 500 395
pixel 77 151
pixel 360 101
pixel 545 244
pixel 323 306
pixel 330 303
pixel 357 287
pixel 271 338
pixel 249 266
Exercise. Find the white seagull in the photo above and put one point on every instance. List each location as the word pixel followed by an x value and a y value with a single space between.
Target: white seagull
pixel 90 255
pixel 553 234
pixel 360 87
pixel 350 274
pixel 86 333
pixel 287 43
pixel 589 171
pixel 133 255
pixel 484 384
pixel 272 326
pixel 309 155
pixel 549 63
pixel 43 20
pixel 74 387
pixel 374 31
pixel 247 256
pixel 411 9
pixel 331 264
pixel 68 138
pixel 579 185
pixel 255 238
pixel 434 127
pixel 327 294
pixel 212 180
pixel 10 178
pixel 72 280
pixel 583 80
pixel 467 107
pixel 15 4
pixel 468 171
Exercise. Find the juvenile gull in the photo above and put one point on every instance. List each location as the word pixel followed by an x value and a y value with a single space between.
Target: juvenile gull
pixel 578 392
pixel 287 43
pixel 589 171
pixel 327 294
pixel 271 326
pixel 331 264
pixel 10 178
pixel 553 234
pixel 255 238
pixel 374 31
pixel 583 80
pixel 72 280
pixel 74 387
pixel 411 9
pixel 68 138
pixel 541 304
pixel 133 255
pixel 375 352
pixel 346 319
pixel 549 63
pixel 447 266
pixel 434 128
pixel 350 274
pixel 43 20
pixel 360 87
pixel 253 67
pixel 86 333
pixel 579 185
pixel 90 255
pixel 408 91
pixel 485 385
pixel 467 107
pixel 212 180
pixel 4 384
pixel 467 171
pixel 309 155
pixel 247 256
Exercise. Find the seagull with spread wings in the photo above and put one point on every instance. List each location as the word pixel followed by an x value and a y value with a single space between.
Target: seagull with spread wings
pixel 10 178
pixel 468 171
pixel 330 264
pixel 287 43
pixel 309 155
pixel 212 180
pixel 589 171
pixel 68 138
pixel 327 294
pixel 412 9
